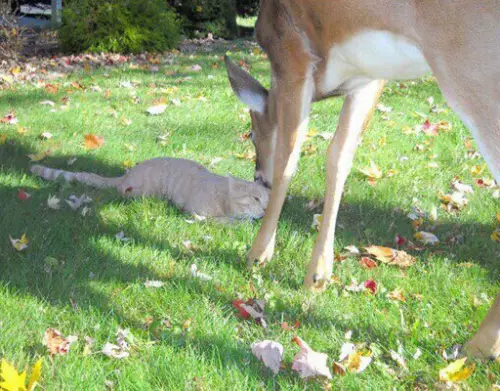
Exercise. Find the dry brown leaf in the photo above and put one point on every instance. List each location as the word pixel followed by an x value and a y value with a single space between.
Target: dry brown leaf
pixel 391 256
pixel 93 141
pixel 56 343
pixel 396 294
pixel 270 353
pixel 309 363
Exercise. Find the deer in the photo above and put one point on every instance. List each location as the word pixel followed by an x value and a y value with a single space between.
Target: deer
pixel 319 49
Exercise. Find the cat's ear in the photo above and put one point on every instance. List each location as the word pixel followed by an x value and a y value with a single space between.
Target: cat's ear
pixel 235 188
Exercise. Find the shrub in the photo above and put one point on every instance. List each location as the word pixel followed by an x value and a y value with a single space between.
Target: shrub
pixel 119 26
pixel 11 35
pixel 247 7
pixel 214 16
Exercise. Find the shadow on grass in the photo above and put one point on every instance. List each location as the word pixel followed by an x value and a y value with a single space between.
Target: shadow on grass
pixel 70 238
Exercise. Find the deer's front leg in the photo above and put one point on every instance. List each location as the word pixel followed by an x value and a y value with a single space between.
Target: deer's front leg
pixel 293 95
pixel 356 112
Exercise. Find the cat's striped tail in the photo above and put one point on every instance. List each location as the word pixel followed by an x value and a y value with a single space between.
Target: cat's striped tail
pixel 87 178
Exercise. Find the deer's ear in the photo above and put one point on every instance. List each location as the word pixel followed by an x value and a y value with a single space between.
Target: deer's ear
pixel 246 88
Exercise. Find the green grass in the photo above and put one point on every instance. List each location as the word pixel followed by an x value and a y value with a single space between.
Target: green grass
pixel 97 284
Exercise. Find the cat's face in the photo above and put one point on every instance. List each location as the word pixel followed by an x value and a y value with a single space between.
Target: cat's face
pixel 248 200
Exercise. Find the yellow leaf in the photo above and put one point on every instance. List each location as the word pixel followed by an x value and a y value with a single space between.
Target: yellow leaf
pixel 256 51
pixel 317 220
pixel 383 254
pixel 15 70
pixel 312 132
pixel 22 130
pixel 456 371
pixel 128 163
pixel 495 236
pixel 20 244
pixel 357 362
pixel 372 172
pixel 186 324
pixel 36 157
pixel 12 381
pixel 476 170
pixel 36 371
pixel 3 138
pixel 417 223
pixel 396 294
pixel 498 216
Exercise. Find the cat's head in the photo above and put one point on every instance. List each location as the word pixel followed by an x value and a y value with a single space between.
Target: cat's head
pixel 247 200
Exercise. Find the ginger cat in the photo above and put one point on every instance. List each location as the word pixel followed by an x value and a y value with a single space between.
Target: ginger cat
pixel 187 184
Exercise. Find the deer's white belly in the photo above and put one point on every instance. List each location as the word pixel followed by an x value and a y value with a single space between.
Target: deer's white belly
pixel 373 55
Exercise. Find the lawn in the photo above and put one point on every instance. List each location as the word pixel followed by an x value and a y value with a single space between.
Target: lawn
pixel 77 277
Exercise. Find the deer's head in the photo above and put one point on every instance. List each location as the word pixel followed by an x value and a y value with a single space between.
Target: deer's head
pixel 263 115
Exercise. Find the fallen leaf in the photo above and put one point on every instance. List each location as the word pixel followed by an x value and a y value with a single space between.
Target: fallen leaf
pixel 20 244
pixel 93 141
pixel 248 155
pixel 391 256
pixel 371 286
pixel 372 172
pixel 309 363
pixel 121 349
pixel 38 156
pixel 75 202
pixel 21 130
pixel 426 237
pixel 346 350
pixel 317 220
pixel 396 294
pixel 352 250
pixel 153 284
pixel 121 237
pixel 12 380
pixel 399 359
pixel 46 136
pixel 399 240
pixel 196 274
pixel 495 236
pixel 114 351
pixel 367 263
pixel 339 369
pixel 10 119
pixel 53 202
pixel 462 188
pixel 456 371
pixel 186 324
pixel 251 309
pixel 55 342
pixel 22 195
pixel 270 353
pixel 383 109
pixel 51 88
pixel 156 109
pixel 36 371
pixel 357 362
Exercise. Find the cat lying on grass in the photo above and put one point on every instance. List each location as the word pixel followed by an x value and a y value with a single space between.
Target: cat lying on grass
pixel 187 184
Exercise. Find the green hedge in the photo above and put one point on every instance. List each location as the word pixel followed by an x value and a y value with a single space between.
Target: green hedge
pixel 119 26
pixel 214 16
